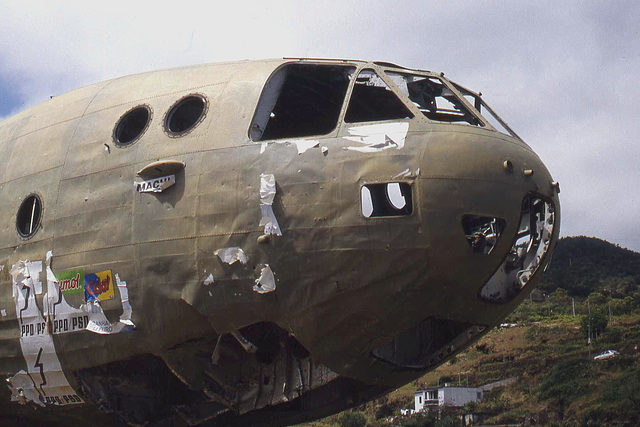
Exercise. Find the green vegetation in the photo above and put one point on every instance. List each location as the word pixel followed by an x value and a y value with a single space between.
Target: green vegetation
pixel 593 324
pixel 582 265
pixel 352 419
pixel 591 286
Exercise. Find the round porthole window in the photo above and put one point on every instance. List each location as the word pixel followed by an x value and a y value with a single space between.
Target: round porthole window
pixel 132 125
pixel 185 115
pixel 29 216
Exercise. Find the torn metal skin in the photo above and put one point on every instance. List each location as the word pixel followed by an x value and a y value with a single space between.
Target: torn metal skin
pixel 377 195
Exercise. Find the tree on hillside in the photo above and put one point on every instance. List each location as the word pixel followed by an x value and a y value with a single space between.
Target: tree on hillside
pixel 582 265
pixel 594 324
pixel 596 299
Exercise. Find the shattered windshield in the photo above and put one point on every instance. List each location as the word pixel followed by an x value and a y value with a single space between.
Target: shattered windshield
pixel 373 100
pixel 434 99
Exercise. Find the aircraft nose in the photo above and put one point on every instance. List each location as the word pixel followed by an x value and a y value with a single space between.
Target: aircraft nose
pixel 487 215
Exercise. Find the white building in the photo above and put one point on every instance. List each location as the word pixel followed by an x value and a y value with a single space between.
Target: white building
pixel 446 396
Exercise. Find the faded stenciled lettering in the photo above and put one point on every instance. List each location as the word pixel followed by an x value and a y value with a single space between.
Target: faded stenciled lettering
pixel 155 185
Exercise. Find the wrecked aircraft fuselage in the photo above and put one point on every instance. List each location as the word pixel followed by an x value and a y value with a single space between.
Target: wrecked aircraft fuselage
pixel 257 242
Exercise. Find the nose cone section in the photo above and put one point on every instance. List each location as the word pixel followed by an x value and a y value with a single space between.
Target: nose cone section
pixel 489 219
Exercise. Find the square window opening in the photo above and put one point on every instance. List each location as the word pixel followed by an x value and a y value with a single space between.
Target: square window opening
pixel 386 200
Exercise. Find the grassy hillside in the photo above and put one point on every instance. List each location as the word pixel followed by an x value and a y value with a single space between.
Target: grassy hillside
pixel 558 381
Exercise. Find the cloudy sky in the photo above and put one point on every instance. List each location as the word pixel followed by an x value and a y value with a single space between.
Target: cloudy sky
pixel 564 74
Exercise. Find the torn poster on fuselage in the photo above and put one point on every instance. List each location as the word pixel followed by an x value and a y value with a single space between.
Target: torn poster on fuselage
pixel 44 382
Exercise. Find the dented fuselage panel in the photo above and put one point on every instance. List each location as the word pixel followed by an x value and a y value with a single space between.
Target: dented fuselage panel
pixel 335 230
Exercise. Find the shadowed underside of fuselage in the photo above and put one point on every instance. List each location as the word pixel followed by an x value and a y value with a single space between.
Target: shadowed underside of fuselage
pixel 263 242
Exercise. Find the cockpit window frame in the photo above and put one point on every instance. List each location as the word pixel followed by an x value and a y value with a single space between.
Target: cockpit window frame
pixel 462 91
pixel 446 83
pixel 256 137
pixel 389 86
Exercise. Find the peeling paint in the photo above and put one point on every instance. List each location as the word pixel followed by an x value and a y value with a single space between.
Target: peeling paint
pixel 266 282
pixel 267 194
pixel 407 174
pixel 209 280
pixel 231 255
pixel 378 137
pixel 305 144
pixel 403 174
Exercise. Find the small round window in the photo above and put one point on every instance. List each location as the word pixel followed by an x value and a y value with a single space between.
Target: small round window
pixel 185 115
pixel 132 125
pixel 29 216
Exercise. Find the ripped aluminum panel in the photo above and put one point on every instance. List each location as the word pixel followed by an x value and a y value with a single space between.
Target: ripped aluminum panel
pixel 267 194
pixel 378 137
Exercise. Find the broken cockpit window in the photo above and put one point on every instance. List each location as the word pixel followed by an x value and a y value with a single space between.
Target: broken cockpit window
pixel 387 199
pixel 301 100
pixel 434 99
pixel 527 254
pixel 482 232
pixel 373 100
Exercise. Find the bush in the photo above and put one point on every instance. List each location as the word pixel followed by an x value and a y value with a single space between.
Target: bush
pixel 352 419
pixel 565 381
pixel 447 421
pixel 597 321
pixel 385 410
pixel 618 403
pixel 419 420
